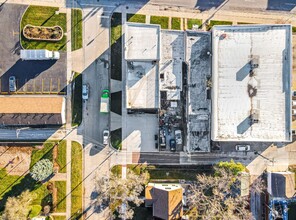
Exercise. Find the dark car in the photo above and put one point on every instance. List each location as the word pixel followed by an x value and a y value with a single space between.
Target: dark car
pixel 172 145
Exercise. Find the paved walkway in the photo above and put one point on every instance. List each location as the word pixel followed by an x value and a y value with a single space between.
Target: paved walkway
pixel 59 177
pixel 68 113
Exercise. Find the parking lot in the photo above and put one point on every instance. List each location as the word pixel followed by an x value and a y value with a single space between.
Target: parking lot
pixel 32 77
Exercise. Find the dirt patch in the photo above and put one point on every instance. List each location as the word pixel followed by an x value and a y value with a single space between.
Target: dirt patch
pixel 16 160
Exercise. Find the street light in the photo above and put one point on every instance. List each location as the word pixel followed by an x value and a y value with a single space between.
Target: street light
pixel 271 160
pixel 18 131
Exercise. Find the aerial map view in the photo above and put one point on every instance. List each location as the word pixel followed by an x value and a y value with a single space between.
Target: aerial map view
pixel 148 110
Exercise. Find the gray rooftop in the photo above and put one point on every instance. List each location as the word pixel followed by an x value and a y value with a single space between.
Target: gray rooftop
pixel 251 83
pixel 142 41
pixel 199 70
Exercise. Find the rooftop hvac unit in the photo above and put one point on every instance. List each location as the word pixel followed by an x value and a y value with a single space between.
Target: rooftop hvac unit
pixel 255 62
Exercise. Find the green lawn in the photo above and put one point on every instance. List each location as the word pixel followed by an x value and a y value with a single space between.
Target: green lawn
pixel 77 99
pixel 61 158
pixel 44 16
pixel 213 22
pixel 138 18
pixel 294 29
pixel 14 185
pixel 61 200
pixel 76 29
pixel 167 172
pixel 35 211
pixel 192 21
pixel 162 21
pixel 176 23
pixel 44 153
pixel 76 180
pixel 116 46
pixel 116 138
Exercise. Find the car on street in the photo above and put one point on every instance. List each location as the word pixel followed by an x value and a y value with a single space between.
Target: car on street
pixel 105 136
pixel 173 145
pixel 178 136
pixel 85 91
pixel 242 147
pixel 12 84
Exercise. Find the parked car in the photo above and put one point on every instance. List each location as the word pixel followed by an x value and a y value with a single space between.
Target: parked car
pixel 178 136
pixel 105 137
pixel 173 145
pixel 85 91
pixel 241 147
pixel 12 84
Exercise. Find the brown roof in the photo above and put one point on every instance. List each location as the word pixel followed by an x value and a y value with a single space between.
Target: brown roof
pixel 29 105
pixel 167 204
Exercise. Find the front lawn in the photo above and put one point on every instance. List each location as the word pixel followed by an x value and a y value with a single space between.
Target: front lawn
pixel 76 29
pixel 77 99
pixel 59 217
pixel 42 153
pixel 61 196
pixel 176 23
pixel 43 16
pixel 192 21
pixel 138 18
pixel 76 180
pixel 162 21
pixel 61 157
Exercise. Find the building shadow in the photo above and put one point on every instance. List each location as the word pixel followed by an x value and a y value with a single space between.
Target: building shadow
pixel 244 125
pixel 204 5
pixel 243 72
pixel 281 5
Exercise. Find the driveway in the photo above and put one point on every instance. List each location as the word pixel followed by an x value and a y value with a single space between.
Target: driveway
pixel 31 76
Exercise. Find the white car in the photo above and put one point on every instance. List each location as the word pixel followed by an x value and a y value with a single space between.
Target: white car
pixel 105 137
pixel 178 136
pixel 242 147
pixel 85 91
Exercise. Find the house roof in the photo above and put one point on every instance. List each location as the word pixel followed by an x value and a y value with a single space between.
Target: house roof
pixel 166 200
pixel 281 184
pixel 40 104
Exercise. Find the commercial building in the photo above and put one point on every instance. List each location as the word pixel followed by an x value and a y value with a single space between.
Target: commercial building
pixel 251 78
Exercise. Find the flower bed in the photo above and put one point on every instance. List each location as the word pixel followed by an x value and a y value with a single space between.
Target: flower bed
pixel 43 33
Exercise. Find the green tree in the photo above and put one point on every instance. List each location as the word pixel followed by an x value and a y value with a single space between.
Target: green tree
pixel 41 170
pixel 232 166
pixel 18 207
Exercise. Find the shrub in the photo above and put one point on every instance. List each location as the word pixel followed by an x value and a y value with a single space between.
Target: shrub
pixel 41 170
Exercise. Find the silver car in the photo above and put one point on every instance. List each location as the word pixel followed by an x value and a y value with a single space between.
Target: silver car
pixel 85 91
pixel 105 137
pixel 12 84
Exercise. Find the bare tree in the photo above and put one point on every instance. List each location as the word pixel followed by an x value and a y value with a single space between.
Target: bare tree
pixel 218 196
pixel 18 207
pixel 120 193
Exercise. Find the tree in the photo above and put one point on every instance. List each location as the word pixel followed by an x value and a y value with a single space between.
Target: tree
pixel 41 170
pixel 18 207
pixel 120 193
pixel 218 196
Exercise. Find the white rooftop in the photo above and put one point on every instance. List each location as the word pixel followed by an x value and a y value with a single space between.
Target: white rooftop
pixel 141 41
pixel 251 98
pixel 170 64
pixel 142 85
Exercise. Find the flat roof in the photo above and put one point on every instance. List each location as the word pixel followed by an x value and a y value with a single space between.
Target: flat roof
pixel 142 41
pixel 251 98
pixel 170 64
pixel 198 104
pixel 33 104
pixel 142 90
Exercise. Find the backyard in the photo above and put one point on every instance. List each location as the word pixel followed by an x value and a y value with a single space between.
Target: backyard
pixel 162 21
pixel 14 185
pixel 138 18
pixel 47 17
